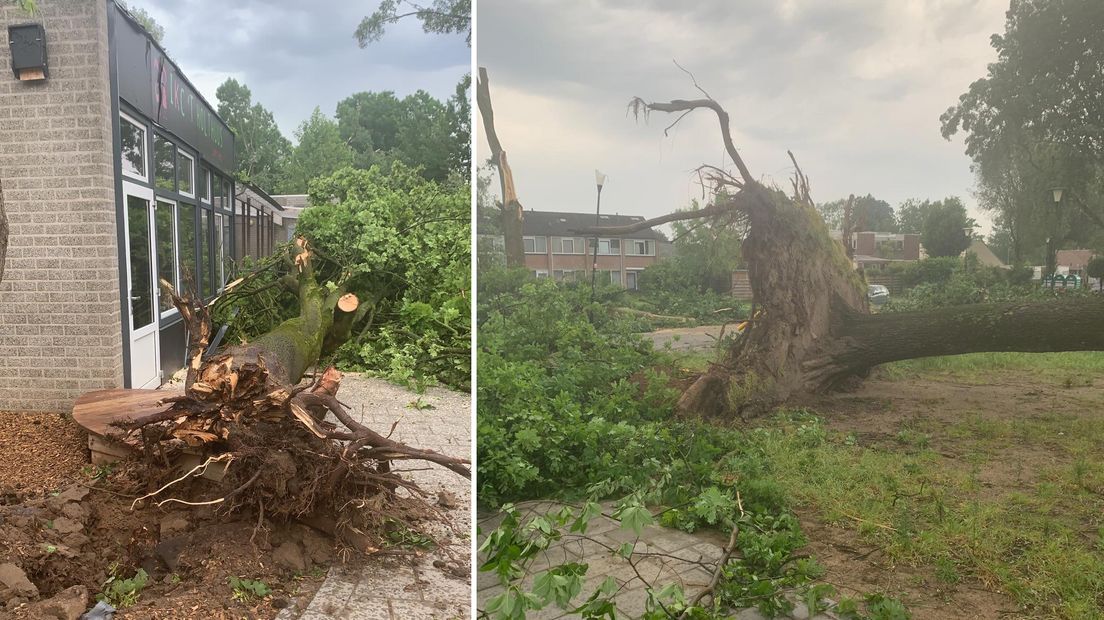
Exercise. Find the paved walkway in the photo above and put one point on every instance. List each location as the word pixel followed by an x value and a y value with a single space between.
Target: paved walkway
pixel 401 588
pixel 662 556
pixel 701 338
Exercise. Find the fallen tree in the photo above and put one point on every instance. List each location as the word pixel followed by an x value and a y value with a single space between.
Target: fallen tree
pixel 813 330
pixel 511 214
pixel 246 410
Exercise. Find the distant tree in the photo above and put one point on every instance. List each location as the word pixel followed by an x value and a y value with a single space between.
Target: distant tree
pixel 867 214
pixel 262 149
pixel 943 232
pixel 459 114
pixel 1095 269
pixel 320 152
pixel 154 29
pixel 911 215
pixel 441 17
pixel 418 130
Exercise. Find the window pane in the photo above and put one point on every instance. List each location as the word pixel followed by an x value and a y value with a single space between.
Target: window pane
pixel 204 183
pixel 185 174
pixel 141 291
pixel 205 253
pixel 530 245
pixel 166 249
pixel 164 159
pixel 187 231
pixel 542 245
pixel 133 148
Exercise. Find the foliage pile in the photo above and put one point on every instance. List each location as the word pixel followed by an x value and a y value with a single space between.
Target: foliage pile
pixel 574 405
pixel 403 242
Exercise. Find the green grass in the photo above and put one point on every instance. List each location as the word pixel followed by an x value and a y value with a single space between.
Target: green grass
pixel 1076 366
pixel 1042 543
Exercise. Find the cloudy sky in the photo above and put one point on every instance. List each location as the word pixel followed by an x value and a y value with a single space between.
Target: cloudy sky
pixel 296 55
pixel 853 87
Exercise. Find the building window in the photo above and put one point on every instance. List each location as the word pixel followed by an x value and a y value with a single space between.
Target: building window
pixel 133 156
pixel 186 229
pixel 609 247
pixel 167 259
pixel 164 161
pixel 204 184
pixel 632 279
pixel 640 247
pixel 565 275
pixel 540 273
pixel 535 245
pixel 185 174
pixel 568 245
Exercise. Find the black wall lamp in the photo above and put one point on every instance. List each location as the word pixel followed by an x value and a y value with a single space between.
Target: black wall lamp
pixel 28 51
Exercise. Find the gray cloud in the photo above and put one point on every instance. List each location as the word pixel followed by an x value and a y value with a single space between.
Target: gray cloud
pixel 296 55
pixel 855 88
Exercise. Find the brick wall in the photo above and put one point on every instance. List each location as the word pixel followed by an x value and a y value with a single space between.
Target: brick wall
pixel 60 329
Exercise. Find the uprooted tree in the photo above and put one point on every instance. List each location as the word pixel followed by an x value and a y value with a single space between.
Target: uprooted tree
pixel 812 329
pixel 245 409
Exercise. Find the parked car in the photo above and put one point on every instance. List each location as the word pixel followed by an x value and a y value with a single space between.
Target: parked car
pixel 877 294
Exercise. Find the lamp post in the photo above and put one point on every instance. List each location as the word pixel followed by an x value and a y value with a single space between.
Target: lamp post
pixel 967 231
pixel 1056 194
pixel 599 180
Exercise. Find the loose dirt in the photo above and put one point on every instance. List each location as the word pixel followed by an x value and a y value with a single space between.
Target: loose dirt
pixel 64 524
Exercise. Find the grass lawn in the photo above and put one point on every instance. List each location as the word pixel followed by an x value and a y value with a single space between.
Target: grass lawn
pixel 974 482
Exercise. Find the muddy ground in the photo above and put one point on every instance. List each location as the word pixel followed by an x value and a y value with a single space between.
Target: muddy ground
pixel 882 408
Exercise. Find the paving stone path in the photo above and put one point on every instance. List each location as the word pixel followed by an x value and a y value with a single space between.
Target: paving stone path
pixel 701 338
pixel 661 556
pixel 402 588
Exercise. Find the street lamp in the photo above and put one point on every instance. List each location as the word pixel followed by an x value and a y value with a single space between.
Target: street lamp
pixel 599 180
pixel 1056 193
pixel 968 232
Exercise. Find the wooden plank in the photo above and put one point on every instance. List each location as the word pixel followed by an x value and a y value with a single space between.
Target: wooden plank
pixel 95 411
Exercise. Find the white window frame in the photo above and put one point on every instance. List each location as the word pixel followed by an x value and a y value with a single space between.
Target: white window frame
pixel 540 273
pixel 180 154
pixel 610 242
pixel 123 116
pixel 171 312
pixel 578 245
pixel 631 249
pixel 535 239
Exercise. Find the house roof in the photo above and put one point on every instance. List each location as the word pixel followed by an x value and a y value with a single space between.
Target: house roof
pixel 564 224
pixel 1074 259
pixel 985 255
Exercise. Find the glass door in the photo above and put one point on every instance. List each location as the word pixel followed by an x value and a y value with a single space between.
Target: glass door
pixel 141 286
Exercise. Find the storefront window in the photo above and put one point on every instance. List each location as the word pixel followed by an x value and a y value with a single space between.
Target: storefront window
pixel 187 229
pixel 164 160
pixel 205 184
pixel 141 300
pixel 133 156
pixel 185 174
pixel 205 253
pixel 165 222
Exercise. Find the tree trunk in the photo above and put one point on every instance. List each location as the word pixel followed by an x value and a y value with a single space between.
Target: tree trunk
pixel 512 214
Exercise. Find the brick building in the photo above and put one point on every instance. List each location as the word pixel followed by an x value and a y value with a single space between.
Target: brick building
pixel 553 249
pixel 115 172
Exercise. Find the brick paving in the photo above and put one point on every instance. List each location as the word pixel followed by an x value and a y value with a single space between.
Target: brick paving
pixel 399 588
pixel 665 556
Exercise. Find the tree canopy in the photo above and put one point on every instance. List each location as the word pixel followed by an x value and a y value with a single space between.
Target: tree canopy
pixel 440 17
pixel 319 153
pixel 943 233
pixel 263 151
pixel 867 214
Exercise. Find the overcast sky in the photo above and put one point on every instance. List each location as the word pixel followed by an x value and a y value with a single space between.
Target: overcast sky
pixel 296 55
pixel 853 87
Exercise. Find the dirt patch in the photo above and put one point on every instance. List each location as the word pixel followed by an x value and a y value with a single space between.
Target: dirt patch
pixel 41 451
pixel 1009 432
pixel 855 568
pixel 67 533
